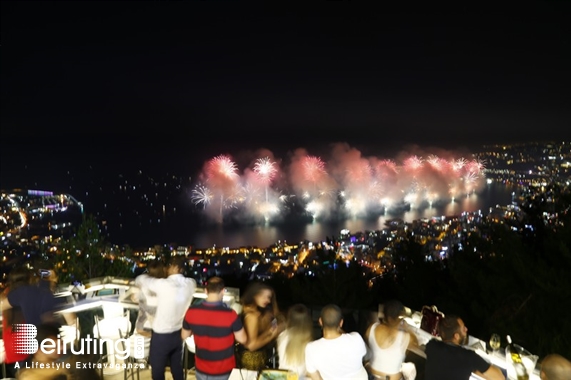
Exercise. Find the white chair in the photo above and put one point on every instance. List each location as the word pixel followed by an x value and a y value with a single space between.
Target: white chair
pixel 112 310
pixel 70 334
pixel 136 357
pixel 134 341
pixel 111 329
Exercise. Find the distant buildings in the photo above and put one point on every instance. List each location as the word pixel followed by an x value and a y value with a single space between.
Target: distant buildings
pixel 32 218
pixel 36 214
pixel 528 164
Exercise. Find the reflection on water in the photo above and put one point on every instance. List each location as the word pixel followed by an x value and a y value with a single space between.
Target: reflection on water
pixel 265 235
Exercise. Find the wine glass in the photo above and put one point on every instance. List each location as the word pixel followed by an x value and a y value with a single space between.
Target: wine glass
pixel 495 342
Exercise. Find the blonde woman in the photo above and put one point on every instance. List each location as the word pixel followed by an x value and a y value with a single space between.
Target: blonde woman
pixel 261 318
pixel 292 341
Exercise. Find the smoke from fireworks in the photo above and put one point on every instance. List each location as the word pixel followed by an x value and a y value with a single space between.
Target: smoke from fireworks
pixel 345 182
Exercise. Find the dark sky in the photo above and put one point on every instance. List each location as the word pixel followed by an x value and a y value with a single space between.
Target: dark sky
pixel 212 76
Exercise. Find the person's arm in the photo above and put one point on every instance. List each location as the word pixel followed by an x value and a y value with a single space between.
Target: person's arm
pixel 153 283
pixel 493 373
pixel 364 346
pixel 5 303
pixel 10 298
pixel 413 341
pixel 130 295
pixel 314 376
pixel 413 345
pixel 483 368
pixel 186 326
pixel 241 336
pixel 50 305
pixel 184 333
pixel 70 318
pixel 142 280
pixel 369 353
pixel 257 339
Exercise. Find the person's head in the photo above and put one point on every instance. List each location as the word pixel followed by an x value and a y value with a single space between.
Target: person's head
pixel 331 317
pixel 393 310
pixel 299 330
pixel 48 333
pixel 215 285
pixel 176 265
pixel 555 367
pixel 18 276
pixel 452 329
pixel 156 269
pixel 260 295
pixel 299 317
pixel 215 289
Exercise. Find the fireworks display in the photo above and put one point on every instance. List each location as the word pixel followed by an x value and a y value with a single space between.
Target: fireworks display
pixel 266 169
pixel 345 182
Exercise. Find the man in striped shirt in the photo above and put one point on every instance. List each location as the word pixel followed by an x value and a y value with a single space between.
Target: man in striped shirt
pixel 215 326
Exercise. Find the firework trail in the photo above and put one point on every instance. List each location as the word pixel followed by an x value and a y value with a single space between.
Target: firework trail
pixel 265 170
pixel 201 194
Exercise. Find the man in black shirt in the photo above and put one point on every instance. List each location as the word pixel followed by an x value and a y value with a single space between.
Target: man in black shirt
pixel 448 360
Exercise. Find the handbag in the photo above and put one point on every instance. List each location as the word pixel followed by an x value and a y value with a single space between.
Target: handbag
pixel 430 319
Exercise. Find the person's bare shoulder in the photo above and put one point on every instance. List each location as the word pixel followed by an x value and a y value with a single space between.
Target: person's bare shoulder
pixel 251 312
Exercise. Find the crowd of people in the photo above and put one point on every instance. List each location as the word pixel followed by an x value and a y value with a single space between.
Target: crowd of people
pixel 29 300
pixel 258 338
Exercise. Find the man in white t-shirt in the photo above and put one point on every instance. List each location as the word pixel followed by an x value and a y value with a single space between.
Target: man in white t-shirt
pixel 336 356
pixel 174 295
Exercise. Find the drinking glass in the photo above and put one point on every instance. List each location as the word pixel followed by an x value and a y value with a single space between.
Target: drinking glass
pixel 495 342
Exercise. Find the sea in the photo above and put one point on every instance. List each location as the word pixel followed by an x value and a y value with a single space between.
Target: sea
pixel 192 231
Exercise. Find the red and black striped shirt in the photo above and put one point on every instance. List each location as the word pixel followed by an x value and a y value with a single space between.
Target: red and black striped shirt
pixel 213 325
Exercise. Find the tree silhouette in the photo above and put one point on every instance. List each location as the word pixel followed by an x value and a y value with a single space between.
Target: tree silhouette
pixel 515 279
pixel 86 255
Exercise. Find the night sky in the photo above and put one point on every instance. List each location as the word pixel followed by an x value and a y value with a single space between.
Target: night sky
pixel 187 80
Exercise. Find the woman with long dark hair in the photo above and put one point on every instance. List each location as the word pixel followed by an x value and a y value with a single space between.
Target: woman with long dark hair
pixel 262 322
